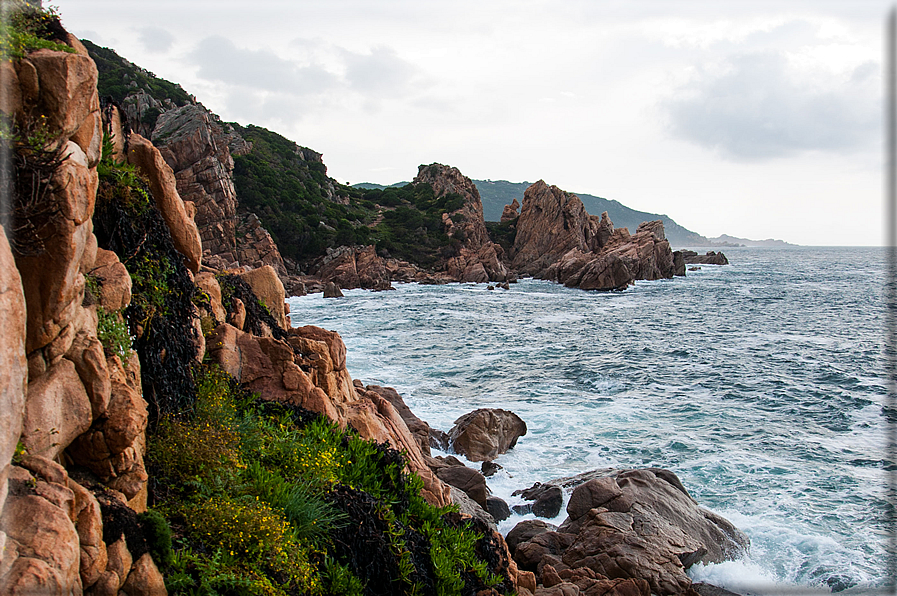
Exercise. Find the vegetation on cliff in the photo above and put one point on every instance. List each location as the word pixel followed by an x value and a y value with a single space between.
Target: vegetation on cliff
pixel 25 28
pixel 119 78
pixel 267 498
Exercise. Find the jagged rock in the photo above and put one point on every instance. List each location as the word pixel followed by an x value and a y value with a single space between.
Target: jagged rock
pixel 711 258
pixel 489 468
pixel 486 433
pixel 13 364
pixel 354 267
pixel 266 285
pixel 119 565
pixel 420 429
pixel 57 411
pixel 679 264
pixel 255 246
pixel 478 260
pixel 551 223
pixel 530 554
pixel 468 506
pixel 547 500
pixel 608 512
pixel 468 480
pixel 114 280
pixel 331 290
pixel 509 213
pixel 196 147
pixel 184 232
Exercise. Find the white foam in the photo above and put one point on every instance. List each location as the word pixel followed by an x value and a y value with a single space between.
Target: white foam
pixel 743 577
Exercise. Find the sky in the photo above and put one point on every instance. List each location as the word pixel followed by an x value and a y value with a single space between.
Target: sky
pixel 756 119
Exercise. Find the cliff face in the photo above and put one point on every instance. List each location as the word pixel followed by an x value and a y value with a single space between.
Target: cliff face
pixel 65 400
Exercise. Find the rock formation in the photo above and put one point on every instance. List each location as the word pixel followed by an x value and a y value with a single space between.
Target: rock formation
pixel 479 259
pixel 486 433
pixel 711 258
pixel 605 537
pixel 558 240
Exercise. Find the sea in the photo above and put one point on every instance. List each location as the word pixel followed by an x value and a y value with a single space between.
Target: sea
pixel 761 384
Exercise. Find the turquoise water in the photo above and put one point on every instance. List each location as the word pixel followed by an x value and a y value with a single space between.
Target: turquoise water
pixel 760 384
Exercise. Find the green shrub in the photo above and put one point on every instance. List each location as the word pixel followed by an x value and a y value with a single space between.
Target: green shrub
pixel 158 536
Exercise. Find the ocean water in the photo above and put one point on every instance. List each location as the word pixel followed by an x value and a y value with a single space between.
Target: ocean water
pixel 760 384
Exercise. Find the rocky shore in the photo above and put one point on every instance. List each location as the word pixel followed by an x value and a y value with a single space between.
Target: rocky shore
pixel 139 270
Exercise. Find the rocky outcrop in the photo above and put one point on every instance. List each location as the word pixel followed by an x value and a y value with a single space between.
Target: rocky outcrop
pixel 354 267
pixel 255 247
pixel 486 433
pixel 710 258
pixel 479 259
pixel 308 369
pixel 628 525
pixel 510 212
pixel 552 222
pixel 558 240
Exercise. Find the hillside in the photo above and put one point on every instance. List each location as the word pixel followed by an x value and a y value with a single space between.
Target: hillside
pixel 498 193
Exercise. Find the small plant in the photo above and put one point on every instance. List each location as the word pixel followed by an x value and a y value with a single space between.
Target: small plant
pixel 113 333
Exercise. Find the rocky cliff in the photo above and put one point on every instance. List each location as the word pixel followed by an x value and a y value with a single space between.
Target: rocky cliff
pixel 110 313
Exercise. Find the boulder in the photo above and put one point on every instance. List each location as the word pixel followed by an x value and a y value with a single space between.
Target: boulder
pixel 527 530
pixel 207 282
pixel 547 500
pixel 468 480
pixel 497 508
pixel 331 290
pixel 486 433
pixel 266 285
pixel 643 524
pixel 114 280
pixel 144 579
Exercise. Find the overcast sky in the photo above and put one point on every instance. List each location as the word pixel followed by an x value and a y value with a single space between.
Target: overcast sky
pixel 755 119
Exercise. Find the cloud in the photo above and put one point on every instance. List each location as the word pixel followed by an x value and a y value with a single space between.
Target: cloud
pixel 758 105
pixel 380 72
pixel 220 60
pixel 155 39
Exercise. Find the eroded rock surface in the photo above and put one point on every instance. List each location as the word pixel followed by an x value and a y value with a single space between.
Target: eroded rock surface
pixel 486 433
